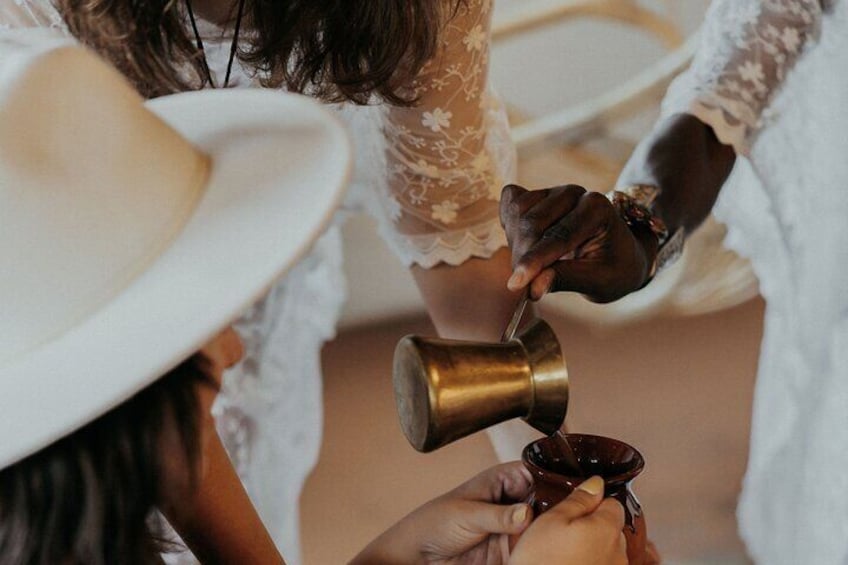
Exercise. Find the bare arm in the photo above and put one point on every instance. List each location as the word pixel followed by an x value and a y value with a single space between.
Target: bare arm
pixel 220 524
pixel 686 160
pixel 469 301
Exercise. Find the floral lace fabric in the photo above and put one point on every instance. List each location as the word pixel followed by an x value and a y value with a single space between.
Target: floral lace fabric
pixel 738 68
pixel 450 155
pixel 16 14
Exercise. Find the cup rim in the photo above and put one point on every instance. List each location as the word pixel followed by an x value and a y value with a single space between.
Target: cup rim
pixel 573 481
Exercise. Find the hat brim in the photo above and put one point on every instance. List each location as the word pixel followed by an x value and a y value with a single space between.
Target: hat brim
pixel 280 165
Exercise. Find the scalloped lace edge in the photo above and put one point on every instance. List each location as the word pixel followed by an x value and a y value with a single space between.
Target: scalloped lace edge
pixel 429 250
pixel 715 116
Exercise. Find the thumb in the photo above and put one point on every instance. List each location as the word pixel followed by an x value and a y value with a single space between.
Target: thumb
pixel 486 518
pixel 584 500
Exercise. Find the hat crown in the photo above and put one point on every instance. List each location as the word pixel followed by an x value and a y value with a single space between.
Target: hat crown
pixel 82 209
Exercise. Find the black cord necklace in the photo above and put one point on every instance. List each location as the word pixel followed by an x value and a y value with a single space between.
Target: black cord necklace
pixel 233 45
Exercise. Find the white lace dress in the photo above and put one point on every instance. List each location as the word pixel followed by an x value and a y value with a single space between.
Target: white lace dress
pixel 771 77
pixel 431 175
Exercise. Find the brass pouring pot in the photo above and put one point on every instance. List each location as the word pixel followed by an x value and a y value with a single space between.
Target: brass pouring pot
pixel 448 389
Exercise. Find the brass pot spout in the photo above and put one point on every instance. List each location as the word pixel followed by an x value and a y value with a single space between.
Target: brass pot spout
pixel 448 389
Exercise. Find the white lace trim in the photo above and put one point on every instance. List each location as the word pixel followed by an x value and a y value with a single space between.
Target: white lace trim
pixel 452 248
pixel 727 129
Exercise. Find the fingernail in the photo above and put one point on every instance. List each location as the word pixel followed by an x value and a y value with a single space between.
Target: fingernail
pixel 516 281
pixel 519 514
pixel 548 280
pixel 593 486
pixel 568 256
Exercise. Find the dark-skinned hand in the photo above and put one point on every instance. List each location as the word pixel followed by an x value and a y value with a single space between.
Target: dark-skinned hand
pixel 569 239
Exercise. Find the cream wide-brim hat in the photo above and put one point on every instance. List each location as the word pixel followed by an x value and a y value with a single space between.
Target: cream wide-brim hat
pixel 106 283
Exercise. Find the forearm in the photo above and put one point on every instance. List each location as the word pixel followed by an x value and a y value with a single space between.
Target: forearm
pixel 469 301
pixel 688 163
pixel 220 524
pixel 395 546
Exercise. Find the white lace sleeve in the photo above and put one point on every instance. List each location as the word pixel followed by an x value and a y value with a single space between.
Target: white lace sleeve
pixel 747 48
pixel 27 30
pixel 17 14
pixel 450 154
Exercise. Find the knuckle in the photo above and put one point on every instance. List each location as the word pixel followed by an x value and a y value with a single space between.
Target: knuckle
pixel 615 511
pixel 510 191
pixel 575 189
pixel 498 478
pixel 559 283
pixel 578 501
pixel 505 518
pixel 597 200
pixel 613 506
pixel 535 217
pixel 619 509
pixel 513 208
pixel 562 230
pixel 528 227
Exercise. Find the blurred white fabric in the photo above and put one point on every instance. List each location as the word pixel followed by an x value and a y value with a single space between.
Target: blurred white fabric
pixel 768 78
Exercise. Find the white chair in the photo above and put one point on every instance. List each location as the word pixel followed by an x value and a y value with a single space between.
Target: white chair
pixel 591 117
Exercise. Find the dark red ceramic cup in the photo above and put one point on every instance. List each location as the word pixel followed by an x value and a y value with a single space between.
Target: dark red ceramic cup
pixel 618 463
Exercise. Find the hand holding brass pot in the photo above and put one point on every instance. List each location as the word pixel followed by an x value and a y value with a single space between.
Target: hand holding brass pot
pixel 448 389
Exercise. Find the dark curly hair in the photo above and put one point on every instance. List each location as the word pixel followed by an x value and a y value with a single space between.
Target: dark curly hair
pixel 89 497
pixel 337 50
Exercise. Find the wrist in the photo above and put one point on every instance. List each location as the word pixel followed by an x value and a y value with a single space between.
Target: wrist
pixel 649 244
pixel 661 247
pixel 399 545
pixel 688 162
pixel 372 555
